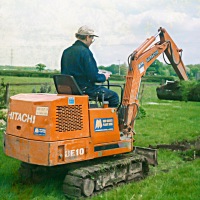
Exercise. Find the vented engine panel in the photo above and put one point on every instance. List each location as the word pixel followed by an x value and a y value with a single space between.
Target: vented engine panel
pixel 69 118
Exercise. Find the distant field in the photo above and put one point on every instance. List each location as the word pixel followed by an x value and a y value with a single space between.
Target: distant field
pixel 166 122
pixel 15 79
pixel 25 88
pixel 14 89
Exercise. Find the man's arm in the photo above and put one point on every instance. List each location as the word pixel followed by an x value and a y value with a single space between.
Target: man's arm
pixel 91 69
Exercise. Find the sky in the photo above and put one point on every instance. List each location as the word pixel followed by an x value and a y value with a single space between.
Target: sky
pixel 38 31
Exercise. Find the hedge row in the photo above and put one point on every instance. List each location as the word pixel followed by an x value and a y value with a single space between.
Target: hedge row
pixel 183 91
pixel 159 79
pixel 20 73
pixel 25 73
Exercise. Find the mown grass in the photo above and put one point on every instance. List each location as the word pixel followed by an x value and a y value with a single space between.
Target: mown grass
pixel 12 187
pixel 181 183
pixel 168 122
pixel 165 122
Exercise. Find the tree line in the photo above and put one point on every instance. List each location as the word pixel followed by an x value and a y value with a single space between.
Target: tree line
pixel 157 68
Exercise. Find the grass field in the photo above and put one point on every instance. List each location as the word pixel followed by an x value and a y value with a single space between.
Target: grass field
pixel 27 80
pixel 173 179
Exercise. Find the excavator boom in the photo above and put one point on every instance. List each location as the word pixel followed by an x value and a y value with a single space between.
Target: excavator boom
pixel 172 53
pixel 139 61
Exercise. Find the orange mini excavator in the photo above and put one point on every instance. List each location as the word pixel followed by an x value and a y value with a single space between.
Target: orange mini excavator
pixel 92 142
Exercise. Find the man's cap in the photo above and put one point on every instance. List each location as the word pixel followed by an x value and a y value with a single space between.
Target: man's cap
pixel 85 30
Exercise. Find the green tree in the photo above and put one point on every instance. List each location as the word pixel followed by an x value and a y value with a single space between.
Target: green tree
pixel 193 70
pixel 123 69
pixel 2 94
pixel 171 71
pixel 156 67
pixel 112 68
pixel 40 67
pixel 160 68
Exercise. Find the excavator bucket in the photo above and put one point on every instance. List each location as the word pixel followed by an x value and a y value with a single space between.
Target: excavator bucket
pixel 148 153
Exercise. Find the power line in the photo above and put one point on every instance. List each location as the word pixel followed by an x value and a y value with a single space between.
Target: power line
pixel 11 57
pixel 119 66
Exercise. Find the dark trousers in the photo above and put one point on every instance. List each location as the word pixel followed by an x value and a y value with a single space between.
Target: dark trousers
pixel 109 95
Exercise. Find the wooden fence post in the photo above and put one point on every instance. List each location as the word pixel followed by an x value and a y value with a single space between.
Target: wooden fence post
pixel 7 93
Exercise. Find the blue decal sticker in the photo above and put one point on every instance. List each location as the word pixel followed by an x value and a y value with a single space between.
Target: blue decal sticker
pixel 141 67
pixel 103 124
pixel 40 131
pixel 71 101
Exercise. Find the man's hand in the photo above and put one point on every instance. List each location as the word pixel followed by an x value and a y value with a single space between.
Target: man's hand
pixel 107 75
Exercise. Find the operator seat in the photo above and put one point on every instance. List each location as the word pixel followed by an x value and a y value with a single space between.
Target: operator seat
pixel 66 84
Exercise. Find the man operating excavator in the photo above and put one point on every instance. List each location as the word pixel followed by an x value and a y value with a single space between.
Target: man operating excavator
pixel 78 61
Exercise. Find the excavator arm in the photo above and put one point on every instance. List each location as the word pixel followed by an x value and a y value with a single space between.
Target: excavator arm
pixel 139 61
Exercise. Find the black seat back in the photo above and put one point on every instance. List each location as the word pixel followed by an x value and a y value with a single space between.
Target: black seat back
pixel 66 84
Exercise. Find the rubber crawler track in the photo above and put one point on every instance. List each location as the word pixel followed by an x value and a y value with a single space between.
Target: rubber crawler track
pixel 91 180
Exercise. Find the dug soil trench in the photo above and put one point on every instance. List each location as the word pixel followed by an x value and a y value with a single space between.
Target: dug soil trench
pixel 189 150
